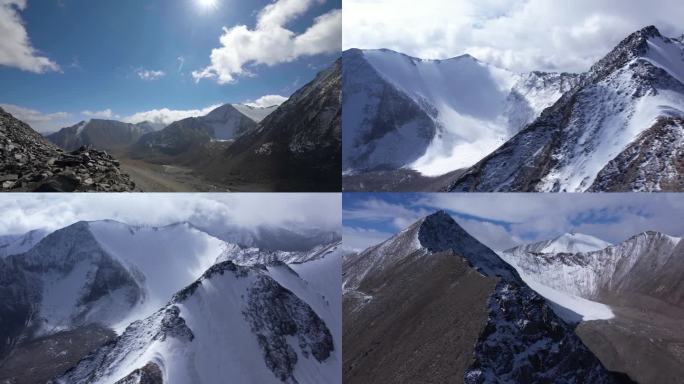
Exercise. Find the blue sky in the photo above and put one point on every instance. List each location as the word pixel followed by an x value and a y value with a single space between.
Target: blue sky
pixel 505 220
pixel 123 57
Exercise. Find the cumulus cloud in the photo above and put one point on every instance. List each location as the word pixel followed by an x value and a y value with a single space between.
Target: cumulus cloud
pixel 168 116
pixel 267 101
pixel 522 35
pixel 15 46
pixel 24 212
pixel 148 75
pixel 41 122
pixel 270 42
pixel 504 220
pixel 104 114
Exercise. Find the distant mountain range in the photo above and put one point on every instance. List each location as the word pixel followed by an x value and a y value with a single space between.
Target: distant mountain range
pixel 292 147
pixel 629 297
pixel 169 304
pixel 617 127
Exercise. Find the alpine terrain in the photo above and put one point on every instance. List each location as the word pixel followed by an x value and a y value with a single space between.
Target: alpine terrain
pixel 108 302
pixel 628 297
pixel 433 304
pixel 28 162
pixel 619 129
pixel 295 146
pixel 408 120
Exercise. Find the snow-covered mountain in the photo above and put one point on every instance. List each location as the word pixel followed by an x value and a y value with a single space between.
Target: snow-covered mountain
pixel 628 299
pixel 645 264
pixel 435 116
pixel 14 244
pixel 565 243
pixel 433 281
pixel 619 129
pixel 106 135
pixel 169 292
pixel 226 122
pixel 235 321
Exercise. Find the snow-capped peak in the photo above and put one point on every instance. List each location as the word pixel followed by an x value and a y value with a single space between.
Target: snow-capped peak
pixel 255 113
pixel 432 234
pixel 571 242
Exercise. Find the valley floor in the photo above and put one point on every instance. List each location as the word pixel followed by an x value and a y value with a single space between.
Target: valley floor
pixel 150 177
pixel 156 178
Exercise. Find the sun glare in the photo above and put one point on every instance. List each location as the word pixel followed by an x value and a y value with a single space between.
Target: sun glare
pixel 207 4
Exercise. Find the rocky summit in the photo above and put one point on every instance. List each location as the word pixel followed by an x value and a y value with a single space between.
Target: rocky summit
pixel 28 162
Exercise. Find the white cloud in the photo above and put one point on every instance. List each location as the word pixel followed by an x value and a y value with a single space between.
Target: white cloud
pixel 105 114
pixel 167 116
pixel 522 35
pixel 24 212
pixel 267 101
pixel 148 75
pixel 39 121
pixel 15 47
pixel 271 43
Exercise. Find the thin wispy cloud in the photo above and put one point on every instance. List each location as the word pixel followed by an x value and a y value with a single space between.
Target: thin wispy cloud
pixel 148 75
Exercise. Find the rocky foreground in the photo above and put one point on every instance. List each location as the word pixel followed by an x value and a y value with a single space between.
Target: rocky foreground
pixel 29 163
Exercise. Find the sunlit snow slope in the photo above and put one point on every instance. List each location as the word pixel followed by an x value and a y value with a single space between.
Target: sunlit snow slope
pixel 435 116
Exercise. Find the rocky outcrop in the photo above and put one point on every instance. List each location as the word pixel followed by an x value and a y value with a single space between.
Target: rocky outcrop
pixel 149 374
pixel 274 315
pixel 28 162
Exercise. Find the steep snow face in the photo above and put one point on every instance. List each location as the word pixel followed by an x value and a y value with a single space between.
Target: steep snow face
pixel 609 116
pixel 255 113
pixel 109 273
pixel 618 130
pixel 163 259
pixel 16 244
pixel 625 267
pixel 235 322
pixel 471 108
pixel 75 282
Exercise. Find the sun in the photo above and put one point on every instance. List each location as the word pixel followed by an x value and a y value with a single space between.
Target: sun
pixel 207 4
